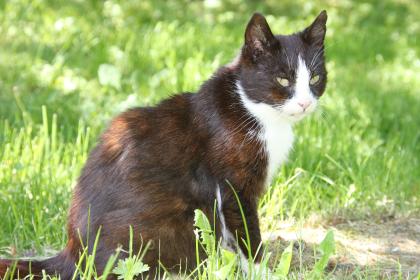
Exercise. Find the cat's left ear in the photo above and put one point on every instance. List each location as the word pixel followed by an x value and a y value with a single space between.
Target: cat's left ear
pixel 258 36
pixel 315 33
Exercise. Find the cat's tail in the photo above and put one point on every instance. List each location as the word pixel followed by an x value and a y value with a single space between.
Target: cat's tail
pixel 19 269
pixel 61 264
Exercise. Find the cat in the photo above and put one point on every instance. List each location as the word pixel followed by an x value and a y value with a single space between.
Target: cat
pixel 153 166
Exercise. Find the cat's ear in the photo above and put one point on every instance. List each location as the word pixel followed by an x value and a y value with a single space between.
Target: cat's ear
pixel 315 33
pixel 258 35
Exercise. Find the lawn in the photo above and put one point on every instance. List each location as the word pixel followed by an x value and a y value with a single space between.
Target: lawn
pixel 68 67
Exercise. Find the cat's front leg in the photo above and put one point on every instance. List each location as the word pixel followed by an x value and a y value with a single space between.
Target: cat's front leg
pixel 239 232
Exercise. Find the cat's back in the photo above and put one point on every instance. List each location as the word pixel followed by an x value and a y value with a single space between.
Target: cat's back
pixel 146 147
pixel 150 130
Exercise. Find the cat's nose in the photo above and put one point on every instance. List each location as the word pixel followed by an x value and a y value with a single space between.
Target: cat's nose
pixel 304 104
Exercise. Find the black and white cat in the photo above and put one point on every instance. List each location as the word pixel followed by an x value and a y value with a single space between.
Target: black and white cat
pixel 293 82
pixel 154 166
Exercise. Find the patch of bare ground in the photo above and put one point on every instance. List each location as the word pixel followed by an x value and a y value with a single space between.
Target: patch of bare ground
pixel 386 248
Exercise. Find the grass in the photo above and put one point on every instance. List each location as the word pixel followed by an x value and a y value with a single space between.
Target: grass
pixel 358 157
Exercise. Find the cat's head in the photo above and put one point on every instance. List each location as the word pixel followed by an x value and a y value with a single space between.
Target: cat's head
pixel 283 75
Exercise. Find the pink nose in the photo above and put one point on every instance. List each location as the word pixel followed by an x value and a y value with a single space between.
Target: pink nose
pixel 304 104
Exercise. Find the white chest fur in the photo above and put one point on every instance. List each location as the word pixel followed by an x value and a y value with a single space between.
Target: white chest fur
pixel 278 138
pixel 276 132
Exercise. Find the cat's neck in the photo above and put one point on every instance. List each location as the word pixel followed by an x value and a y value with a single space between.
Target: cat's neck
pixel 276 133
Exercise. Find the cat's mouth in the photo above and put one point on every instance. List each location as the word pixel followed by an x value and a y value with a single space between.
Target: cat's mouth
pixel 296 110
pixel 304 112
pixel 297 116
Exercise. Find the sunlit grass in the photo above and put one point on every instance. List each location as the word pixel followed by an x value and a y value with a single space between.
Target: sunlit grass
pixel 359 156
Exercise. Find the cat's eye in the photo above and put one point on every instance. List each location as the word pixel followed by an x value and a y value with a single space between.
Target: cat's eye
pixel 314 80
pixel 283 82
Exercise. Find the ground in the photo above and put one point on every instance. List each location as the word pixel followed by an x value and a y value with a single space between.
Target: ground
pixel 385 247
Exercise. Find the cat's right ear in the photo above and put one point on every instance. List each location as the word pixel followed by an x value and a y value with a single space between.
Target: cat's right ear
pixel 315 33
pixel 258 36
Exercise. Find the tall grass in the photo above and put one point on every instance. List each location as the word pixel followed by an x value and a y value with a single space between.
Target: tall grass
pixel 219 264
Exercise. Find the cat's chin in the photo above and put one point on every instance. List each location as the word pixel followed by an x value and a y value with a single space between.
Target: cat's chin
pixel 298 118
pixel 294 118
pixel 277 115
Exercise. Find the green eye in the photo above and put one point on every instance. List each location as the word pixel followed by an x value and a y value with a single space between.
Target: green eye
pixel 283 82
pixel 314 80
